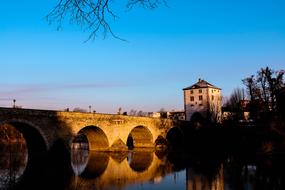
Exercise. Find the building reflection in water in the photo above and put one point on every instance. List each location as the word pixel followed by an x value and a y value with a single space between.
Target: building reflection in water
pixel 198 181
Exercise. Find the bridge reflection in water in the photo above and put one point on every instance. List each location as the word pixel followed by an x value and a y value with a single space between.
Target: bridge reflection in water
pixel 136 169
pixel 129 169
pixel 116 170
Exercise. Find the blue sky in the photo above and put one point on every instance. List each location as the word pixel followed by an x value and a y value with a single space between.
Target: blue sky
pixel 168 49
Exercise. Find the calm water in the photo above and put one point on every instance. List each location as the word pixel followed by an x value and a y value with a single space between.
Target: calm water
pixel 137 169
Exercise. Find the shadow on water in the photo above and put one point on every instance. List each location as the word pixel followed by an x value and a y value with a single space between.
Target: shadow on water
pixel 30 164
pixel 13 156
pixel 52 171
pixel 13 160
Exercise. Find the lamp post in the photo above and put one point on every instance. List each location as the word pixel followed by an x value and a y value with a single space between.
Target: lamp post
pixel 90 109
pixel 14 103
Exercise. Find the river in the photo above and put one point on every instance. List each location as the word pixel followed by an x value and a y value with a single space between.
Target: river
pixel 137 169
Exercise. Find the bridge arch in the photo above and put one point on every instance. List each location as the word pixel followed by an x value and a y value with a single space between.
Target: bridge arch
pixel 35 139
pixel 140 137
pixel 96 137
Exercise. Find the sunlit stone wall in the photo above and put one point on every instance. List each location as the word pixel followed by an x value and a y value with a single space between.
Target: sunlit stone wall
pixel 54 126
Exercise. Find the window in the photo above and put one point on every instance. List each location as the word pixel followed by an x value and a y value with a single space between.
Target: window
pixel 200 104
pixel 200 97
pixel 200 91
pixel 191 92
pixel 192 98
pixel 213 97
pixel 192 105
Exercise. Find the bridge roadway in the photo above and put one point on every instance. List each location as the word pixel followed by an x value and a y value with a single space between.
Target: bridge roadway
pixel 105 132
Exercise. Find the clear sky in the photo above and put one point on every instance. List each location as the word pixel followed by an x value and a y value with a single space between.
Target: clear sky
pixel 221 41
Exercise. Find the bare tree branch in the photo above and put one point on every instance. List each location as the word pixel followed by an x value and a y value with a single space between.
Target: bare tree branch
pixel 149 4
pixel 93 15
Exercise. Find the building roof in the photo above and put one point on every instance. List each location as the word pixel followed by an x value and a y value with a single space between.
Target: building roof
pixel 201 84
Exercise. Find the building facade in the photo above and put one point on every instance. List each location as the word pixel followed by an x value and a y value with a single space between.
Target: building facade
pixel 204 98
pixel 175 115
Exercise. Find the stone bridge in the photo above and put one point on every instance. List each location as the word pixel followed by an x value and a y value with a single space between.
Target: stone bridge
pixel 105 132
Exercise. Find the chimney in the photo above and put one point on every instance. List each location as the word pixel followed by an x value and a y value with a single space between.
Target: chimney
pixel 199 80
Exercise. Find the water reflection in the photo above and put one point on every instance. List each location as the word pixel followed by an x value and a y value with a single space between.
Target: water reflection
pixel 140 161
pixel 140 169
pixel 13 161
pixel 256 174
pixel 159 170
pixel 117 170
pixel 198 181
pixel 79 160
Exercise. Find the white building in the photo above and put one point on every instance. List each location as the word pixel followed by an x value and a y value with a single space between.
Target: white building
pixel 203 98
pixel 154 114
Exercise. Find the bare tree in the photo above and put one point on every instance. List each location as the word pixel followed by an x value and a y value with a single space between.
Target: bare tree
pixel 234 104
pixel 163 113
pixel 119 111
pixel 93 15
pixel 251 86
pixel 263 90
pixel 235 99
pixel 265 86
pixel 77 109
pixel 140 113
pixel 133 112
pixel 214 114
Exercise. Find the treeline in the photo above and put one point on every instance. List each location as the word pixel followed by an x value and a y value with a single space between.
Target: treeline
pixel 256 118
pixel 263 99
pixel 265 91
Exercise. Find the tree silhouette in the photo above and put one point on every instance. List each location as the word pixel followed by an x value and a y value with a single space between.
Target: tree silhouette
pixel 93 15
pixel 234 104
pixel 263 90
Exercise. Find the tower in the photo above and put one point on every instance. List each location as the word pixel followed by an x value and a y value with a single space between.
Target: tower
pixel 203 98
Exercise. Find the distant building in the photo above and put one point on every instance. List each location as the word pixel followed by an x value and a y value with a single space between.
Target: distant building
pixel 204 98
pixel 154 114
pixel 175 115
